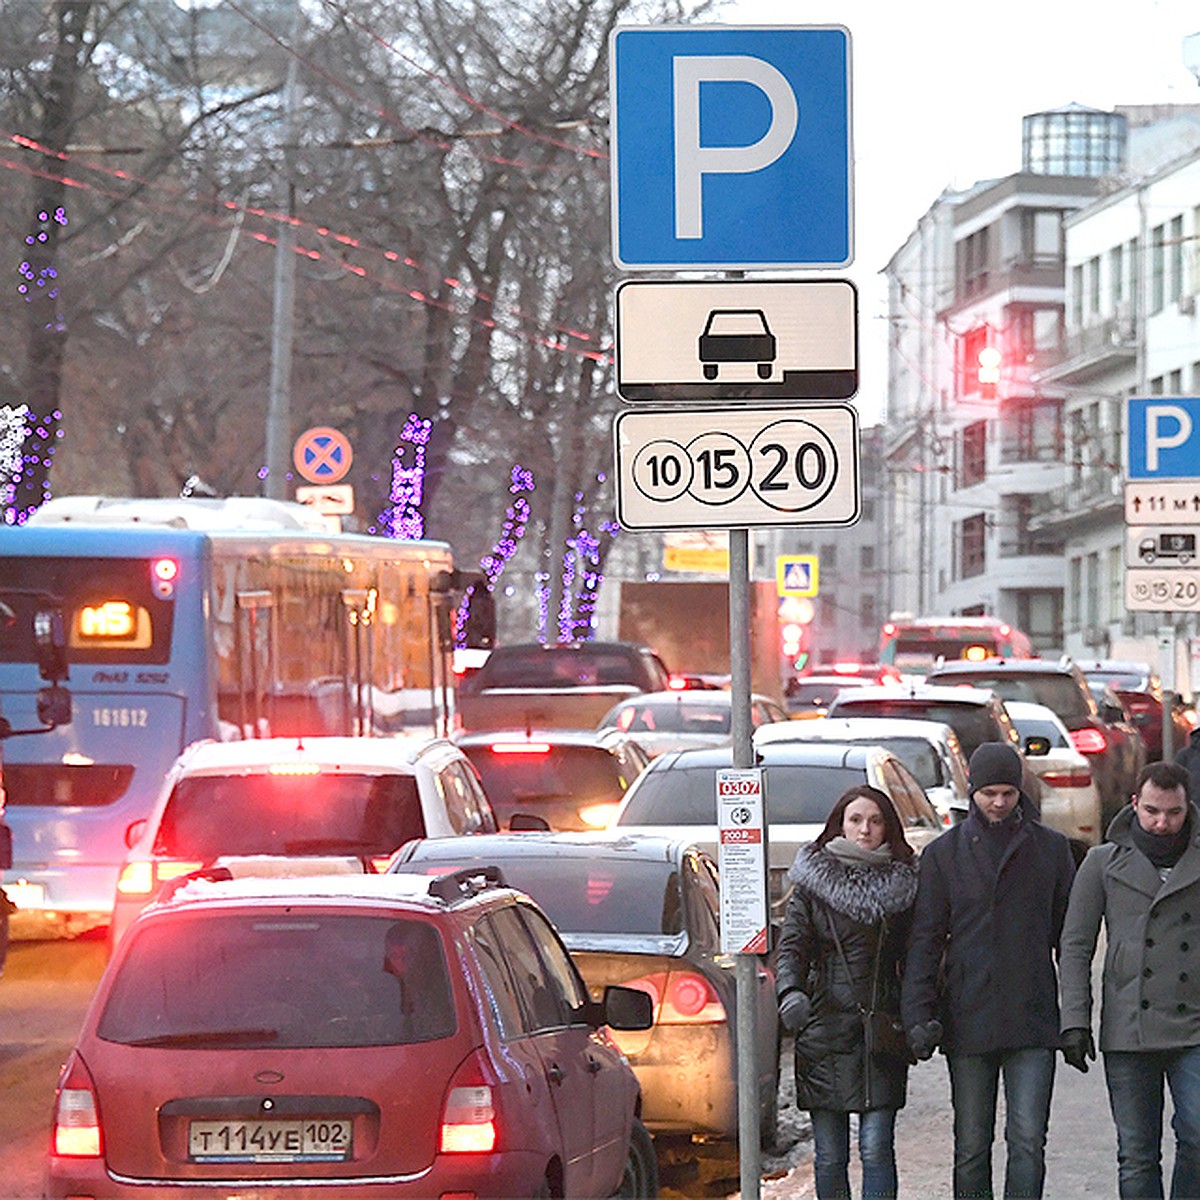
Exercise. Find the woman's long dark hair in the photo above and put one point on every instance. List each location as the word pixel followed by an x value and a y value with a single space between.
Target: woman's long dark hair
pixel 893 831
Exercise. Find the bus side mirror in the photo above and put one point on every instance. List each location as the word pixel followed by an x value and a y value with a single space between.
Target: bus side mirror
pixel 54 706
pixel 50 645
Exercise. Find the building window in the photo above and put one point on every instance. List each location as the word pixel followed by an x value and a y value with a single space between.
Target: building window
pixel 828 556
pixel 1195 285
pixel 868 508
pixel 1036 331
pixel 972 262
pixel 1091 598
pixel 1031 432
pixel 1156 386
pixel 973 460
pixel 1175 256
pixel 1135 275
pixel 1092 287
pixel 1075 592
pixel 1174 383
pixel 1116 583
pixel 1076 296
pixel 1157 268
pixel 868 613
pixel 1040 614
pixel 1041 234
pixel 866 558
pixel 1017 540
pixel 972 547
pixel 1116 276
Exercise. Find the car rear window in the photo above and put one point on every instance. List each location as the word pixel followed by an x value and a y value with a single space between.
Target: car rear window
pixel 586 773
pixel 973 723
pixel 561 669
pixel 796 795
pixel 596 896
pixel 251 980
pixel 682 717
pixel 1062 693
pixel 210 815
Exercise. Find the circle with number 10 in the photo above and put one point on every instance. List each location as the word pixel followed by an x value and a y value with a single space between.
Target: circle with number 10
pixel 794 465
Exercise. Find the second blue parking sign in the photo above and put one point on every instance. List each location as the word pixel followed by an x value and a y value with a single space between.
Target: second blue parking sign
pixel 731 147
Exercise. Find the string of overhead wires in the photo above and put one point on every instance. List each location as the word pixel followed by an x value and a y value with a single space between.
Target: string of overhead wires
pixel 441 141
pixel 342 10
pixel 195 210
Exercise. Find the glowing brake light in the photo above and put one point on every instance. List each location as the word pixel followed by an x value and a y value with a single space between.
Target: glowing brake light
pixel 677 683
pixel 845 668
pixel 164 569
pixel 975 653
pixel 76 1116
pixel 520 747
pixel 294 768
pixel 680 998
pixel 1067 779
pixel 1088 741
pixel 468 1115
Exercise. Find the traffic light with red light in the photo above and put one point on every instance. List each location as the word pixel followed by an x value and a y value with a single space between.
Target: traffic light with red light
pixel 988 371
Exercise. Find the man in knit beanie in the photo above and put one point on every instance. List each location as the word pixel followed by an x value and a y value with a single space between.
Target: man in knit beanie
pixel 980 975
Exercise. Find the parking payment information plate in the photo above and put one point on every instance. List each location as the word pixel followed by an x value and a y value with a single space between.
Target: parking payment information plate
pixel 742 861
pixel 730 468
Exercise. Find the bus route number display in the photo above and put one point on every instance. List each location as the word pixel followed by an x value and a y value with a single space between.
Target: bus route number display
pixel 741 859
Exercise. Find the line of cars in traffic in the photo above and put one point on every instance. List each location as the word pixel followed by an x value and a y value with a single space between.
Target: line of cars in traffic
pixel 281 836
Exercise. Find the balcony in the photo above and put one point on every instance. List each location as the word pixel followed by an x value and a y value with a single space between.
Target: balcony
pixel 1095 499
pixel 1095 350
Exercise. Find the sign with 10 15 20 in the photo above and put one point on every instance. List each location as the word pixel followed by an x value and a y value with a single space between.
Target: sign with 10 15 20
pixel 737 467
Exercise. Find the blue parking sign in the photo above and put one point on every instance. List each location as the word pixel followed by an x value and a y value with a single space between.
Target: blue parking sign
pixel 731 147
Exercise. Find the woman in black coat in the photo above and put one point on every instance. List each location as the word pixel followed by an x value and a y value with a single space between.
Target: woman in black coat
pixel 840 957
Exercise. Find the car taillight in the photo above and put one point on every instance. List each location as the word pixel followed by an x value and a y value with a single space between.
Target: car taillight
pixel 76 1114
pixel 468 1115
pixel 1088 741
pixel 681 998
pixel 1067 779
pixel 144 878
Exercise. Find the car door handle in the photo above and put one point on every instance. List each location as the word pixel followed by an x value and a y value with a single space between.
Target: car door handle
pixel 556 1074
pixel 594 1066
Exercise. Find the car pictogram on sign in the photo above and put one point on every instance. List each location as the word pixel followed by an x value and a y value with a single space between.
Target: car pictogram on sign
pixel 737 335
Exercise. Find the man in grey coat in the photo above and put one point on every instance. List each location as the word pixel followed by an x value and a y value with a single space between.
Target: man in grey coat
pixel 1144 885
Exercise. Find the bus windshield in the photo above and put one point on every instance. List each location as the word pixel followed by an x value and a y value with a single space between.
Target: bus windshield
pixel 916 646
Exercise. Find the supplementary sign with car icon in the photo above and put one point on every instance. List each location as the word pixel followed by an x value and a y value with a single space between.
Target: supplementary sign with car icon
pixel 737 340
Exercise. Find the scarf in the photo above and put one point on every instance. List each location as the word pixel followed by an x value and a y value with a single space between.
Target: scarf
pixel 1162 849
pixel 851 852
pixel 864 891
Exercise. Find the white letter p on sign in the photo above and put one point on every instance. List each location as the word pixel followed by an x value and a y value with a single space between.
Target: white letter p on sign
pixel 693 161
pixel 1155 440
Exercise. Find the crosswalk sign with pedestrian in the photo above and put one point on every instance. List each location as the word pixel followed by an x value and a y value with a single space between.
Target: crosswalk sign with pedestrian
pixel 796 574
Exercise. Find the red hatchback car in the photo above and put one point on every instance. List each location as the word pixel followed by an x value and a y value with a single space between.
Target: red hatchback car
pixel 362 1036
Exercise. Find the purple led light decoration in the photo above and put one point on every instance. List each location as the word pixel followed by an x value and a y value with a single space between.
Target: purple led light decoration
pixel 28 471
pixel 404 518
pixel 516 520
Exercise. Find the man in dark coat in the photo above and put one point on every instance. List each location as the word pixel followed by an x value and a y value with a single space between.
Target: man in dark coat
pixel 980 977
pixel 1189 759
pixel 1144 884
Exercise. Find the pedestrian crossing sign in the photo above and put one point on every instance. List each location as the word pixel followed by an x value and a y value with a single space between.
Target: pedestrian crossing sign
pixel 796 574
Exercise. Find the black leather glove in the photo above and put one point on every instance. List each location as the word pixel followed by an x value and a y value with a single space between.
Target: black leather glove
pixel 794 1009
pixel 1078 1047
pixel 923 1039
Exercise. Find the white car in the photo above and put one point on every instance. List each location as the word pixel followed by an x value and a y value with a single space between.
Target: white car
pixel 676 796
pixel 929 749
pixel 292 806
pixel 1070 797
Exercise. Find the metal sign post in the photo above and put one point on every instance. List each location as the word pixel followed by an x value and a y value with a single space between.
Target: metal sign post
pixel 747 968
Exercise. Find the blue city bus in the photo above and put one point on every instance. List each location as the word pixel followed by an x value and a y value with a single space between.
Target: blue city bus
pixel 186 620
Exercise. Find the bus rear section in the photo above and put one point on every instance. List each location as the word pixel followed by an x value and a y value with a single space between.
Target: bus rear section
pixel 136 700
pixel 915 645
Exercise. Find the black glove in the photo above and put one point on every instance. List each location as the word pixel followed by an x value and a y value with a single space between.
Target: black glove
pixel 794 1009
pixel 923 1039
pixel 1078 1047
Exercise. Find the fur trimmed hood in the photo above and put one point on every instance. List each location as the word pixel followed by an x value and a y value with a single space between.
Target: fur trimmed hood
pixel 863 893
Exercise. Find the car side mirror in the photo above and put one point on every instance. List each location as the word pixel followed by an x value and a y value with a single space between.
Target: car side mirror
pixel 627 1008
pixel 134 832
pixel 1037 746
pixel 528 823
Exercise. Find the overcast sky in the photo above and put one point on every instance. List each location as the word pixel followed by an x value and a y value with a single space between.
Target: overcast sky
pixel 938 92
